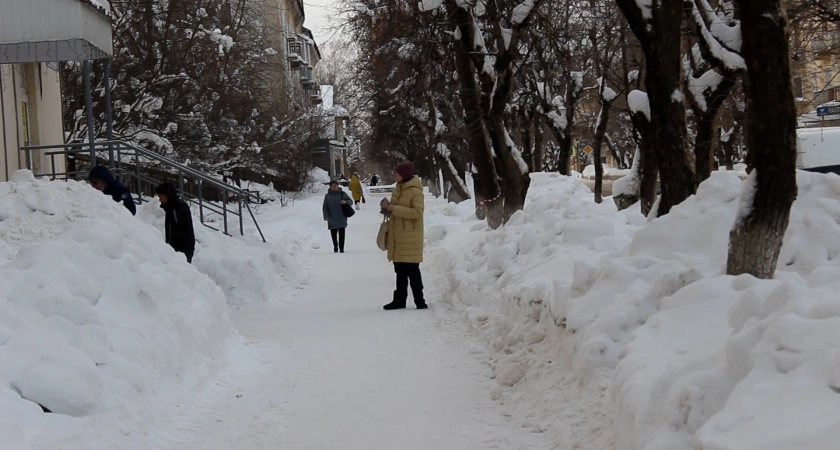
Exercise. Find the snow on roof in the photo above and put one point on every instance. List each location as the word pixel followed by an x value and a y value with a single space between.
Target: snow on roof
pixel 102 6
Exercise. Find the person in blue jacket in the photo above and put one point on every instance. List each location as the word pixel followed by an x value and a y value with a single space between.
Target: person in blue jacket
pixel 102 179
pixel 334 214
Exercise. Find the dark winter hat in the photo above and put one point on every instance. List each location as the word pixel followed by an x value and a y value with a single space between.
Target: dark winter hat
pixel 406 170
pixel 101 173
pixel 167 189
pixel 333 182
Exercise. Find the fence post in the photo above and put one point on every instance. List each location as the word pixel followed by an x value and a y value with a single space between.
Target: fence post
pixel 224 209
pixel 241 222
pixel 89 112
pixel 109 118
pixel 139 182
pixel 200 201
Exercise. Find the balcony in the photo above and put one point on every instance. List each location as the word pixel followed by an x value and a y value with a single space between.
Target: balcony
pixel 306 78
pixel 315 95
pixel 55 30
pixel 294 53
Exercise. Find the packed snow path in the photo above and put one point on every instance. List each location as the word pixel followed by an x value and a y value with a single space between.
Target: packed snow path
pixel 334 370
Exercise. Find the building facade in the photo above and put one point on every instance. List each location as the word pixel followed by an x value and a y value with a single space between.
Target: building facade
pixel 815 49
pixel 297 49
pixel 330 151
pixel 35 35
pixel 30 114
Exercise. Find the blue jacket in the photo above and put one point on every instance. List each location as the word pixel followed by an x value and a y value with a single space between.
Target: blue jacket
pixel 333 213
pixel 114 188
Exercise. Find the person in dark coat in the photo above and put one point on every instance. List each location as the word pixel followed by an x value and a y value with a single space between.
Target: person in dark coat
pixel 373 180
pixel 179 227
pixel 103 180
pixel 334 215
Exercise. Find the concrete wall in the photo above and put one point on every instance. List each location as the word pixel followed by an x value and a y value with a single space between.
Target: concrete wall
pixel 30 114
pixel 53 30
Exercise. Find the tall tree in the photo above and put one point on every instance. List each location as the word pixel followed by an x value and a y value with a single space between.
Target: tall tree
pixel 657 26
pixel 756 237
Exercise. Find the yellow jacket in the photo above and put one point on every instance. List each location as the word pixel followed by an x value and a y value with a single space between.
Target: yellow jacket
pixel 405 230
pixel 355 188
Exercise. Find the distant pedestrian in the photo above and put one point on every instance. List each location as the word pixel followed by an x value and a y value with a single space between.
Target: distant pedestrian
pixel 405 235
pixel 178 225
pixel 103 180
pixel 334 214
pixel 356 189
pixel 373 180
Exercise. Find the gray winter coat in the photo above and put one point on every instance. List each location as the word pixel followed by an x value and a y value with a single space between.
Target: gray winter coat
pixel 332 209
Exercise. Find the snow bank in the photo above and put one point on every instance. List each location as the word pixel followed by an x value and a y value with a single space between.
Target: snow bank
pixel 95 310
pixel 247 269
pixel 609 331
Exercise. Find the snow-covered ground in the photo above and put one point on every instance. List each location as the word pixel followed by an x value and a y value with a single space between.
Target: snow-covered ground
pixel 97 315
pixel 573 327
pixel 611 332
pixel 130 347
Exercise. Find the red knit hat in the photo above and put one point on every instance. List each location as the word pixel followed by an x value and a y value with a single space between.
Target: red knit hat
pixel 406 170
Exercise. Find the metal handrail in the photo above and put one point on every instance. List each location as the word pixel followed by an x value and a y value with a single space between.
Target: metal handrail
pixel 112 147
pixel 85 147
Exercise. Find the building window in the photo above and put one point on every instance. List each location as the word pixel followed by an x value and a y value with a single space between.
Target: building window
pixel 797 87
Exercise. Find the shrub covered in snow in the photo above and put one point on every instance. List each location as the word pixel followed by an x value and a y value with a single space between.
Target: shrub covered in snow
pixel 95 309
pixel 626 333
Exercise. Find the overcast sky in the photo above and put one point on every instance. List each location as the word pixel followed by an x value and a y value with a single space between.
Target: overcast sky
pixel 319 18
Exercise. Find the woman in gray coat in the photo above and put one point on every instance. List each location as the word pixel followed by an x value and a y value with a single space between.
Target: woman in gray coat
pixel 334 215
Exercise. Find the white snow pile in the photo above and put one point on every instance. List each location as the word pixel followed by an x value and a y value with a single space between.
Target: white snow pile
pixel 247 269
pixel 96 311
pixel 317 179
pixel 610 332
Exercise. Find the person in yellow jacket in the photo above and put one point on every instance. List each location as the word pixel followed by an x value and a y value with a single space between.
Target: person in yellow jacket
pixel 405 236
pixel 356 189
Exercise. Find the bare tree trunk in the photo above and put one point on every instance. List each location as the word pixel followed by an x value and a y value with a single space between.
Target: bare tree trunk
pixel 647 164
pixel 660 37
pixel 756 237
pixel 728 151
pixel 516 178
pixel 539 145
pixel 480 212
pixel 487 186
pixel 564 137
pixel 452 177
pixel 619 158
pixel 600 132
pixel 705 144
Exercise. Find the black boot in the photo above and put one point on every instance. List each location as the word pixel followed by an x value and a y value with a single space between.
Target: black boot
pixel 397 303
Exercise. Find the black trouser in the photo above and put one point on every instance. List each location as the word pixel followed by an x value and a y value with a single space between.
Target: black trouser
pixel 408 273
pixel 338 238
pixel 189 254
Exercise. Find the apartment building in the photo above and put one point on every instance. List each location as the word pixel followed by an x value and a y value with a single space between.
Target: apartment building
pixel 815 55
pixel 297 49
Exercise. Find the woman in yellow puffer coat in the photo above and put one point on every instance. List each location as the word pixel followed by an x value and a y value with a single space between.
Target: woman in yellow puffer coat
pixel 356 189
pixel 405 236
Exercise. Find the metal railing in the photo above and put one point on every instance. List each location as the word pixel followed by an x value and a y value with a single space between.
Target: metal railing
pixel 147 170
